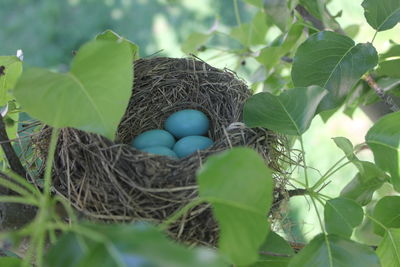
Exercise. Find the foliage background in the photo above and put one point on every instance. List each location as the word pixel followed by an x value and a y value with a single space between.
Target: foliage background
pixel 49 30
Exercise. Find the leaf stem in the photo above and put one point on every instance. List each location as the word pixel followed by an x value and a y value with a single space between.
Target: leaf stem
pixel 303 153
pixel 373 38
pixel 237 14
pixel 327 174
pixel 49 161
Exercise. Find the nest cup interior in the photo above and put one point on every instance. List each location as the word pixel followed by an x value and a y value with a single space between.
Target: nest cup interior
pixel 164 86
pixel 112 181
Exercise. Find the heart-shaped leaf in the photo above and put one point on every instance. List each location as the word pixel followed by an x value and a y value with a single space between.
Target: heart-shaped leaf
pixel 341 216
pixel 271 55
pixel 369 178
pixel 92 97
pixel 389 248
pixel 279 12
pixel 239 186
pixel 125 246
pixel 10 70
pixel 252 33
pixel 384 140
pixel 334 251
pixel 390 68
pixel 387 212
pixel 275 252
pixel 334 62
pixel 290 113
pixel 382 14
pixel 109 35
pixel 194 42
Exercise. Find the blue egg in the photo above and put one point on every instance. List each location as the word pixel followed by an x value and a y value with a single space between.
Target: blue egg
pixel 153 138
pixel 187 122
pixel 160 150
pixel 190 144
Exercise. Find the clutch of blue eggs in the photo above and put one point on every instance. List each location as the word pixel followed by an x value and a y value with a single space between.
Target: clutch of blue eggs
pixel 183 134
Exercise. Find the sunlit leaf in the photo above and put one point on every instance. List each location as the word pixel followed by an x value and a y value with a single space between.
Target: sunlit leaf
pixel 270 56
pixel 109 35
pixel 279 11
pixel 334 251
pixel 252 33
pixel 389 249
pixel 92 97
pixel 342 216
pixel 387 212
pixel 334 62
pixel 290 113
pixel 10 70
pixel 239 186
pixel 384 140
pixel 382 14
pixel 257 3
pixel 194 41
pixel 352 30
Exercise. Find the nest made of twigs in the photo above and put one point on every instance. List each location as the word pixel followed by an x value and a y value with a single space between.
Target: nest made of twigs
pixel 114 182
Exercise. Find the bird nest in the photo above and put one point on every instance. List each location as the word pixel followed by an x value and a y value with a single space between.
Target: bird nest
pixel 111 181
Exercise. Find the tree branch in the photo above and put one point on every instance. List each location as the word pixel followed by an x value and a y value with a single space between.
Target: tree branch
pixel 12 158
pixel 387 99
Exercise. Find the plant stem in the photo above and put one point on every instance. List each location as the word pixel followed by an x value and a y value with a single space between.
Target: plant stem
pixel 303 153
pixel 237 14
pixel 373 38
pixel 328 173
pixel 49 161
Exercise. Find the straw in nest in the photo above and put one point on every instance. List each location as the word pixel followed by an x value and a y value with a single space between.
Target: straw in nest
pixel 112 181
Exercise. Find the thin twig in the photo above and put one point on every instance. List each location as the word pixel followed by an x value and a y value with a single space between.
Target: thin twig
pixel 385 98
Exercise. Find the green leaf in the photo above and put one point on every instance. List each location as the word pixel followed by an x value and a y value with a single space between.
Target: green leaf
pixel 389 249
pixel 253 33
pixel 387 212
pixel 257 3
pixel 125 245
pixel 109 35
pixel 279 12
pixel 382 15
pixel 275 252
pixel 334 62
pixel 194 42
pixel 342 216
pixel 290 113
pixel 10 262
pixel 394 51
pixel 92 97
pixel 362 187
pixel 346 146
pixel 314 7
pixel 352 30
pixel 384 140
pixel 389 68
pixel 11 70
pixel 334 251
pixel 239 186
pixel 270 56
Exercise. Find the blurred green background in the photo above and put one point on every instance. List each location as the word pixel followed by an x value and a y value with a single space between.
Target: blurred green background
pixel 49 30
